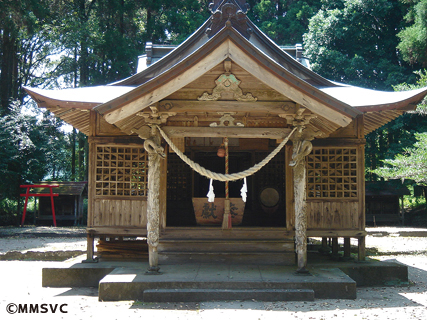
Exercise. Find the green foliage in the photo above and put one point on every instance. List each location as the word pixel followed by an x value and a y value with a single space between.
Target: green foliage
pixel 398 135
pixel 101 40
pixel 20 52
pixel 30 150
pixel 421 83
pixel 406 157
pixel 283 21
pixel 8 212
pixel 412 164
pixel 354 41
pixel 413 39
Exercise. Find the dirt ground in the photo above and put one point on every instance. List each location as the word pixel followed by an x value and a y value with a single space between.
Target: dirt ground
pixel 20 283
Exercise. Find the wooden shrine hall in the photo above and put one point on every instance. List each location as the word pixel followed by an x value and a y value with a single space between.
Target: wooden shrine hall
pixel 278 148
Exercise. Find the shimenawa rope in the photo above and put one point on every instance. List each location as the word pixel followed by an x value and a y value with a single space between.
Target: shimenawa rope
pixel 220 176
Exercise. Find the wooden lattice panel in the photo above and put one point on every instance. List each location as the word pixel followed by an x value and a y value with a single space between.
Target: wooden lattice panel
pixel 332 173
pixel 121 171
pixel 272 175
pixel 179 179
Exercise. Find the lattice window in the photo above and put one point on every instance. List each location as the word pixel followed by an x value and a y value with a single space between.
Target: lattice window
pixel 121 171
pixel 332 173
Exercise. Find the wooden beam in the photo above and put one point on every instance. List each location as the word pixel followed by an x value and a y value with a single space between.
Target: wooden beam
pixel 127 140
pixel 319 233
pixel 235 132
pixel 314 105
pixel 118 230
pixel 337 142
pixel 336 233
pixel 163 90
pixel 211 117
pixel 228 49
pixel 271 107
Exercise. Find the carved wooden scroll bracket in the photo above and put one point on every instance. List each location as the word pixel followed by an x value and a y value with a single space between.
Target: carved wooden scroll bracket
pixel 149 132
pixel 227 120
pixel 299 119
pixel 156 117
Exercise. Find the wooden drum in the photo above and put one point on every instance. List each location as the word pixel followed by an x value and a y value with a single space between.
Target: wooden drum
pixel 270 199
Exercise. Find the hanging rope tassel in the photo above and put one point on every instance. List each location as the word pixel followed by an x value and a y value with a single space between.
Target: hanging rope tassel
pixel 244 190
pixel 226 219
pixel 211 194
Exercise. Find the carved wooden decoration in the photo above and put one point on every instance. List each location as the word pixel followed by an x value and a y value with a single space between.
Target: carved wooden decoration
pixel 156 117
pixel 227 83
pixel 227 120
pixel 229 14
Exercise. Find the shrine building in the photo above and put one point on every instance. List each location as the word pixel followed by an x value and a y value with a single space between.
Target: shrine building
pixel 226 148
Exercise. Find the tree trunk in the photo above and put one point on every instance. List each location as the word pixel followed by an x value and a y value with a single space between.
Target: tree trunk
pixel 81 157
pixel 73 155
pixel 9 71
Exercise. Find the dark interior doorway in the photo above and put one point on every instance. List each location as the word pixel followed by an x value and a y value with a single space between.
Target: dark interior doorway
pixel 265 204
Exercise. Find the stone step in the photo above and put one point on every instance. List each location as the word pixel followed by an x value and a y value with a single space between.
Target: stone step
pixel 224 282
pixel 200 295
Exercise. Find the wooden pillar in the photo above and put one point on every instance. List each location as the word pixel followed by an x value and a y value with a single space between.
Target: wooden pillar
pixel 347 247
pixel 90 247
pixel 155 153
pixel 361 186
pixel 301 148
pixel 91 189
pixel 300 216
pixel 361 249
pixel 335 246
pixel 324 242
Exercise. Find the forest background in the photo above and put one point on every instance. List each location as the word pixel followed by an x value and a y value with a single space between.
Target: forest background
pixel 375 44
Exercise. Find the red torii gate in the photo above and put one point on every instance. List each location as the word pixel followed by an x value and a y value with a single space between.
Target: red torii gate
pixel 27 194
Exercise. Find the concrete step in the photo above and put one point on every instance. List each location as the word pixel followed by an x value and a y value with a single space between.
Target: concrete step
pixel 224 282
pixel 199 295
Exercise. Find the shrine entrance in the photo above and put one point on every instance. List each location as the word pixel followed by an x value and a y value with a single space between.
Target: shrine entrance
pixel 265 204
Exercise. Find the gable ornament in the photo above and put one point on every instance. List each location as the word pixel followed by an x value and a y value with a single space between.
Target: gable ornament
pixel 229 13
pixel 227 83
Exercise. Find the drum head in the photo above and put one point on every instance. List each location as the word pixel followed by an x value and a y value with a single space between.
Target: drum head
pixel 269 197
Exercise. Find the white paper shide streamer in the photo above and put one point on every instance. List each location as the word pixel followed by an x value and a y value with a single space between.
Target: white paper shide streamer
pixel 211 194
pixel 244 190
